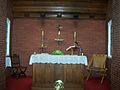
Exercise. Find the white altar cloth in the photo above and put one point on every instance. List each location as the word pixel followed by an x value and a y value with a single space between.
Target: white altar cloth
pixel 59 59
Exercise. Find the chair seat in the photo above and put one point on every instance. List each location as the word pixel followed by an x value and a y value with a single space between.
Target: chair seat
pixel 97 69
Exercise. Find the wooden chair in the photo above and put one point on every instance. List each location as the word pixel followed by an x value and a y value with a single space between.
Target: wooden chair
pixel 17 69
pixel 97 64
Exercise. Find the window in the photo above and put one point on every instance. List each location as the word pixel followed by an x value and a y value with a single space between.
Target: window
pixel 110 39
pixel 8 60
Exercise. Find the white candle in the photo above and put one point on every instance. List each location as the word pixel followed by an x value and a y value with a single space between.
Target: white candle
pixel 58 32
pixel 42 33
pixel 74 35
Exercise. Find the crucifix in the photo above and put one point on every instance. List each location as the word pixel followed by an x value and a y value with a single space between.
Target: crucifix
pixel 59 27
pixel 58 39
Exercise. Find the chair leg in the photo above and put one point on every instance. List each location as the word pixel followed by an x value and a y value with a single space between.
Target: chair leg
pixel 14 71
pixel 88 75
pixel 102 78
pixel 23 71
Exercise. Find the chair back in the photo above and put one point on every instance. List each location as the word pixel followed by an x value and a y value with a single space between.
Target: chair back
pixel 99 60
pixel 15 60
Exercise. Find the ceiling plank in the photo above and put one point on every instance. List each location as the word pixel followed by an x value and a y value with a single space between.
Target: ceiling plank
pixel 89 7
pixel 101 1
pixel 59 9
pixel 67 4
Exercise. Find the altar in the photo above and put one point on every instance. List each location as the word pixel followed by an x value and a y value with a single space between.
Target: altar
pixel 49 68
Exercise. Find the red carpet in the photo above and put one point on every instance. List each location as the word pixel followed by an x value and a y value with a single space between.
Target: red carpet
pixel 23 83
pixel 94 84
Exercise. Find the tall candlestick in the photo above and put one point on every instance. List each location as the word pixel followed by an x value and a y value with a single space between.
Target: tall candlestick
pixel 42 33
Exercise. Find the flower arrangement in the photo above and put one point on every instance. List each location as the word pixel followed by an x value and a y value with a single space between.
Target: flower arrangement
pixel 59 85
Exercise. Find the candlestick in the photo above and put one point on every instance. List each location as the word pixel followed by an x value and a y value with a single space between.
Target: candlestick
pixel 42 33
pixel 42 38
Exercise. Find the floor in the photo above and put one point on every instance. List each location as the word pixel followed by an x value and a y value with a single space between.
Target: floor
pixel 12 83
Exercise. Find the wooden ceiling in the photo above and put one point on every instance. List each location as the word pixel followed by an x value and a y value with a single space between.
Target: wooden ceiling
pixel 83 9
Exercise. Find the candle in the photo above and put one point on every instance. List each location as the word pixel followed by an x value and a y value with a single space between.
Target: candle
pixel 74 35
pixel 42 44
pixel 42 33
pixel 58 32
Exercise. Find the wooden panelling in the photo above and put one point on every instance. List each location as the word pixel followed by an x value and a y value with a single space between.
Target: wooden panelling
pixel 62 6
pixel 73 73
pixel 59 9
pixel 45 75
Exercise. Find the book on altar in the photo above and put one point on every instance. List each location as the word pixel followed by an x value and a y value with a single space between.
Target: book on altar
pixel 70 47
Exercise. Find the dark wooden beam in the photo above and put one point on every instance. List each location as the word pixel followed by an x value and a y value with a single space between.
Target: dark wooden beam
pixel 90 7
pixel 59 9
pixel 38 3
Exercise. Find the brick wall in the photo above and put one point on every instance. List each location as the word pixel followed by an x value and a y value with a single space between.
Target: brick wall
pixel 108 18
pixel 10 16
pixel 9 12
pixel 26 36
pixel 2 41
pixel 115 68
pixel 5 11
pixel 109 10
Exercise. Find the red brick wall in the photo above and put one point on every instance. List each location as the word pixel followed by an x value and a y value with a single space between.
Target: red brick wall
pixel 2 41
pixel 10 16
pixel 109 10
pixel 26 36
pixel 115 68
pixel 5 11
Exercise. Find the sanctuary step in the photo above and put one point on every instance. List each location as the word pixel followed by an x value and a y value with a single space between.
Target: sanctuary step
pixel 50 86
pixel 39 88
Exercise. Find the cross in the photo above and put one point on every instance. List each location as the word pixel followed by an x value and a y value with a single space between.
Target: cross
pixel 59 27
